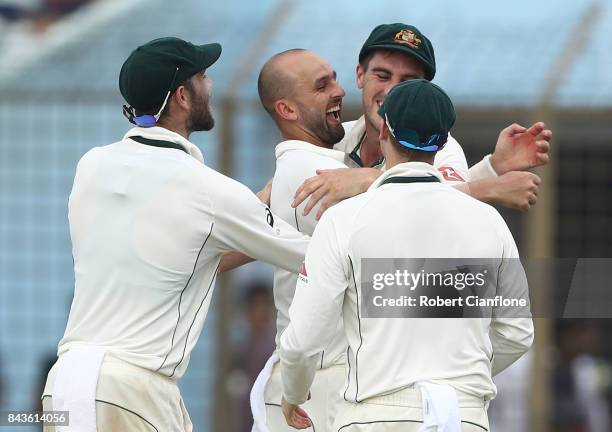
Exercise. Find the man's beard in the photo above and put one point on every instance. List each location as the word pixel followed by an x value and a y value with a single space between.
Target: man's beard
pixel 201 118
pixel 319 127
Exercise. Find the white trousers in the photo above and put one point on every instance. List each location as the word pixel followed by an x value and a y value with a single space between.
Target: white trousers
pixel 325 399
pixel 130 398
pixel 402 412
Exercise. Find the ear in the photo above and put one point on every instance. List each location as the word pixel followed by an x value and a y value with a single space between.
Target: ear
pixel 182 97
pixel 360 75
pixel 383 133
pixel 285 110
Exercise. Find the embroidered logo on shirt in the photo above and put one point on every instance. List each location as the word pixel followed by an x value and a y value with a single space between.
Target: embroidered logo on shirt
pixel 450 174
pixel 408 37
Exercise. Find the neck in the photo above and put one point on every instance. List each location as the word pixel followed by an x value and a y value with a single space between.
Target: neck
pixel 179 129
pixel 369 151
pixel 395 157
pixel 301 134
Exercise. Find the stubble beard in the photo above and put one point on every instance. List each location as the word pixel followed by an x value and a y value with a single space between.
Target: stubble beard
pixel 319 127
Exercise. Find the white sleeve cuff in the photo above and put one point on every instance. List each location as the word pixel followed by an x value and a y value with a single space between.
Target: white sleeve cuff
pixel 483 169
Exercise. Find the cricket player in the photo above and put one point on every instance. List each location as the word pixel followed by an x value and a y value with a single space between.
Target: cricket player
pixel 299 90
pixel 149 222
pixel 409 374
pixel 392 54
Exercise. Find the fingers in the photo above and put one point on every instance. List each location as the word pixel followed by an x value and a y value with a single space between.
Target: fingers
pixel 324 206
pixel 542 146
pixel 532 199
pixel 299 419
pixel 531 193
pixel 513 129
pixel 315 197
pixel 305 190
pixel 536 128
pixel 546 135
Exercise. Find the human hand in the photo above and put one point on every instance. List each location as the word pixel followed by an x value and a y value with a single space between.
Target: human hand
pixel 516 190
pixel 332 186
pixel 520 149
pixel 295 416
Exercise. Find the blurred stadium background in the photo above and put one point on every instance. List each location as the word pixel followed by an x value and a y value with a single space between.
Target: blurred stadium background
pixel 501 62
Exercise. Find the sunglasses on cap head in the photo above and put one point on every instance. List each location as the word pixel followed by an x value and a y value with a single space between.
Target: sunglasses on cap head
pixel 148 120
pixel 408 138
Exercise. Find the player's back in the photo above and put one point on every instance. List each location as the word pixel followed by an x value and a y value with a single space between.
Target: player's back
pixel 416 220
pixel 139 218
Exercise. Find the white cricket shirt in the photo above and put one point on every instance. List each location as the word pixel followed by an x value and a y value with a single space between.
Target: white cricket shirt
pixel 297 161
pixel 415 220
pixel 148 226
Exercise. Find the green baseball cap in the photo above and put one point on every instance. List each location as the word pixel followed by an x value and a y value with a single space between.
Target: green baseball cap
pixel 419 114
pixel 403 38
pixel 160 66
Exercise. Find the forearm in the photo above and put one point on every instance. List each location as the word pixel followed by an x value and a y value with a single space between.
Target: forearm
pixel 232 260
pixel 510 338
pixel 483 190
pixel 368 177
pixel 297 375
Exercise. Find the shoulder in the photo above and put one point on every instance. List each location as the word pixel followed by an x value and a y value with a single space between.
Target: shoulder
pixel 483 211
pixel 347 210
pixel 452 147
pixel 308 159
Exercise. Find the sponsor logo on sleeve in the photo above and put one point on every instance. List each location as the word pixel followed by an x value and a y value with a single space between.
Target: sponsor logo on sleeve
pixel 303 276
pixel 450 174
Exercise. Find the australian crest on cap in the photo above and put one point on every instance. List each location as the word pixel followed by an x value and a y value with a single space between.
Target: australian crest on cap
pixel 408 37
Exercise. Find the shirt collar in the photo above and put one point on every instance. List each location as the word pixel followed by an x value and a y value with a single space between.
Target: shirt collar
pixel 289 145
pixel 407 169
pixel 351 144
pixel 163 134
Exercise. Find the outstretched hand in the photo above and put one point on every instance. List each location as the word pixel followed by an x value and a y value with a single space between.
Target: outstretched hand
pixel 519 148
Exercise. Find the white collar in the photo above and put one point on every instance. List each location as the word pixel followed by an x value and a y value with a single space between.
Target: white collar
pixel 407 169
pixel 353 137
pixel 289 145
pixel 163 134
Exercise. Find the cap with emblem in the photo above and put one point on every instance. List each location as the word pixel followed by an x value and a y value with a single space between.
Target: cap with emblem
pixel 161 66
pixel 419 114
pixel 404 38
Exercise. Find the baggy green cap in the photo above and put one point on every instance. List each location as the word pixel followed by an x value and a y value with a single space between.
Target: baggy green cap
pixel 151 69
pixel 403 38
pixel 419 114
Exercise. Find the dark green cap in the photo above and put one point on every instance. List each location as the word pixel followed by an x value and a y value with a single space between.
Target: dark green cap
pixel 419 114
pixel 404 38
pixel 151 70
